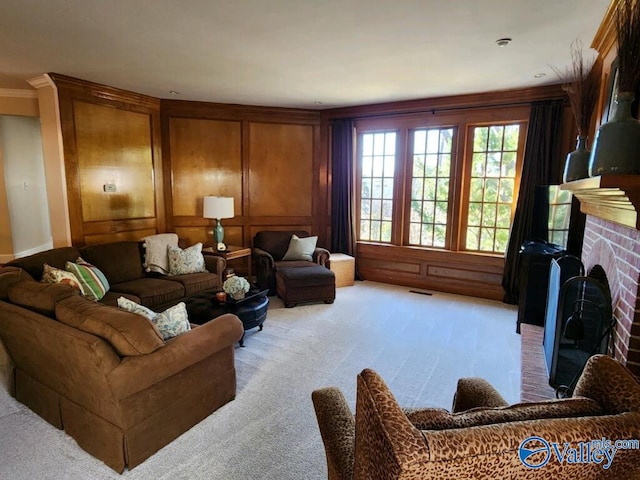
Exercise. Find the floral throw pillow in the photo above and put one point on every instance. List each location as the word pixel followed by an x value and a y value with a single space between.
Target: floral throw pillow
pixel 173 321
pixel 131 306
pixel 189 260
pixel 57 275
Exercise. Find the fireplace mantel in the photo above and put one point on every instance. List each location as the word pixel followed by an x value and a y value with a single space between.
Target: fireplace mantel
pixel 612 197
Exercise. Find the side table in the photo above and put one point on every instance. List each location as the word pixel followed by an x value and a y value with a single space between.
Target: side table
pixel 231 253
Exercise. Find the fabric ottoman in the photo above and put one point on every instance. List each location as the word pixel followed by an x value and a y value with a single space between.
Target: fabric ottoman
pixel 344 267
pixel 308 284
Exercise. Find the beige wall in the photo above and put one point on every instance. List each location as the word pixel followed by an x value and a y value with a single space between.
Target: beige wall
pixel 24 179
pixel 12 102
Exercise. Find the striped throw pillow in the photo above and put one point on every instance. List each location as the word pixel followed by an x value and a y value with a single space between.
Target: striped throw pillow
pixel 94 284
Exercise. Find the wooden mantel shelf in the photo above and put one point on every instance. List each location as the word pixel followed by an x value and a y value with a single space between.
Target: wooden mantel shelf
pixel 612 197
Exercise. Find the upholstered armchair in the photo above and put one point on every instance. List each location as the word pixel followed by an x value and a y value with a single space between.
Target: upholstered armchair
pixel 486 440
pixel 269 248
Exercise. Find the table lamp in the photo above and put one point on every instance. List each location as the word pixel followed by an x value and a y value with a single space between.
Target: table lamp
pixel 218 208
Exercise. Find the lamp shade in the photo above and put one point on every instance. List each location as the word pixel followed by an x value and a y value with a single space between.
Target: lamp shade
pixel 218 207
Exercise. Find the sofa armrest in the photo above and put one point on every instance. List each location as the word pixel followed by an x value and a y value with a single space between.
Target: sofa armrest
pixel 215 264
pixel 137 373
pixel 337 429
pixel 609 383
pixel 264 258
pixel 321 256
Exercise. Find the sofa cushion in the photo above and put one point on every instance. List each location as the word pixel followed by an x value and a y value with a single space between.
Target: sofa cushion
pixel 40 297
pixel 151 291
pixel 111 298
pixel 196 282
pixel 119 261
pixel 301 248
pixel 94 283
pixel 441 419
pixel 57 257
pixel 189 260
pixel 129 334
pixel 156 258
pixel 9 276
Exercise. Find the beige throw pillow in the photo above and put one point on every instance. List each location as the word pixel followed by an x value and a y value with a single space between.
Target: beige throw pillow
pixel 155 254
pixel 301 248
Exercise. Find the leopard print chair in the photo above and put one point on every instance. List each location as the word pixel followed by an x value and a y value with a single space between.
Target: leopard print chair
pixel 483 437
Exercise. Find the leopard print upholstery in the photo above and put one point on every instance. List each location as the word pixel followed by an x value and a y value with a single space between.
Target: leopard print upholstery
pixel 476 392
pixel 611 385
pixel 388 446
pixel 440 419
pixel 337 428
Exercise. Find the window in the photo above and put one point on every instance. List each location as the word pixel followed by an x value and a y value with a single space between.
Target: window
pixel 492 182
pixel 447 181
pixel 430 187
pixel 376 187
pixel 559 215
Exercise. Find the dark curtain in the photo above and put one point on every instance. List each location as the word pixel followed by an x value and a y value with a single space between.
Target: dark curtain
pixel 542 166
pixel 343 233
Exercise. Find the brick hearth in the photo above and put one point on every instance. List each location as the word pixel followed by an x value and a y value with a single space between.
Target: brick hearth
pixel 534 381
pixel 617 249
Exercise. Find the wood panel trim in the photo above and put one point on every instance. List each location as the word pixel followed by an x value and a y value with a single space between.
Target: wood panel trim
pixel 101 93
pixel 606 36
pixel 71 90
pixel 99 228
pixel 223 111
pixel 480 100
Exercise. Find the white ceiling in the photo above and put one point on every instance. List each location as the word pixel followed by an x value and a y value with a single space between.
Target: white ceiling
pixel 294 53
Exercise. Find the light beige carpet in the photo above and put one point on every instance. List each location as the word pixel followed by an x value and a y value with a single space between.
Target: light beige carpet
pixel 420 345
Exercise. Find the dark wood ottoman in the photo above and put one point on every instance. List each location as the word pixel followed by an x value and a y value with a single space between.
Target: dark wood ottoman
pixel 305 284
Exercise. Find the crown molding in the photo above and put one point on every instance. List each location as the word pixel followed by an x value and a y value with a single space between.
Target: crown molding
pixel 18 93
pixel 40 81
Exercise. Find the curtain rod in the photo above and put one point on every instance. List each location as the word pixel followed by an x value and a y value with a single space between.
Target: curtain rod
pixel 435 110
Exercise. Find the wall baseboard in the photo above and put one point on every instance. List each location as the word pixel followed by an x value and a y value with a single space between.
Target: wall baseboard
pixel 40 248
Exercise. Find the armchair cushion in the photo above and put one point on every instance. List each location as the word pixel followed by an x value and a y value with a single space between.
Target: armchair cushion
pixel 276 243
pixel 301 248
pixel 440 419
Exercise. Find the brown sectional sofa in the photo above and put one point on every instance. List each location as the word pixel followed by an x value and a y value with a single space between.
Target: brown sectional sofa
pixel 105 375
pixel 122 264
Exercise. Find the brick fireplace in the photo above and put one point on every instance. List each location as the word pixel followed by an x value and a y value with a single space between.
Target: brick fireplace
pixel 616 248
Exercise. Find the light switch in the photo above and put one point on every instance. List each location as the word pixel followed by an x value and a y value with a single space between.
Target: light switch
pixel 109 187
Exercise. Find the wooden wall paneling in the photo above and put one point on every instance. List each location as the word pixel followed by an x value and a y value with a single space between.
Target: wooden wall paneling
pixel 110 135
pixel 205 159
pixel 452 272
pixel 296 148
pixel 280 169
pixel 253 229
pixel 247 238
pixel 114 147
